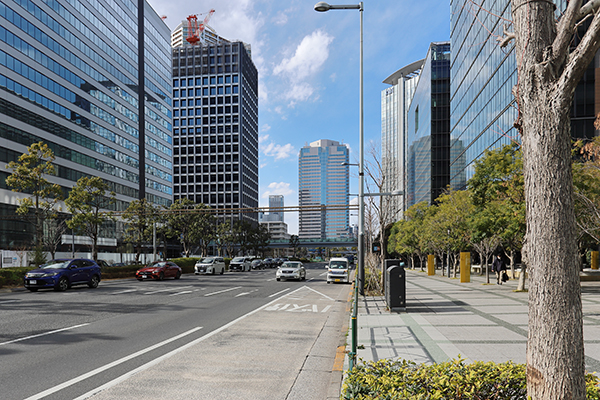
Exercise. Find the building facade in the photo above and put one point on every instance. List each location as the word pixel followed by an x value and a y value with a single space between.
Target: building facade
pixel 215 128
pixel 428 135
pixel 323 190
pixel 69 78
pixel 483 108
pixel 395 101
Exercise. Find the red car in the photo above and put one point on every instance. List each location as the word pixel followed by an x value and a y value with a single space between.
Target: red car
pixel 158 271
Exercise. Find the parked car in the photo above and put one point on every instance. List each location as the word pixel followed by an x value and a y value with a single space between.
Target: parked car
pixel 277 262
pixel 62 274
pixel 210 265
pixel 291 270
pixel 158 271
pixel 240 264
pixel 103 264
pixel 268 263
pixel 337 270
pixel 257 264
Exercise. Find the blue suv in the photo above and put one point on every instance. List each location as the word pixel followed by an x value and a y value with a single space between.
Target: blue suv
pixel 62 274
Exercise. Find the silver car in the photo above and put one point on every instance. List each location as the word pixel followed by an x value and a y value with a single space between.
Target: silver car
pixel 210 265
pixel 240 264
pixel 291 270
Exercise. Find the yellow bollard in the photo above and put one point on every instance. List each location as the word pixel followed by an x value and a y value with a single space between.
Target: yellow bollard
pixel 465 267
pixel 430 265
pixel 594 260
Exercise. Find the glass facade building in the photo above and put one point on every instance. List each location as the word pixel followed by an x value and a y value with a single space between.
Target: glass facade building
pixel 395 101
pixel 483 108
pixel 69 78
pixel 428 135
pixel 323 181
pixel 215 127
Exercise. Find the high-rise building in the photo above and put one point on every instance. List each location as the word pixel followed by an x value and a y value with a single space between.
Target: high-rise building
pixel 428 143
pixel 69 78
pixel 276 207
pixel 395 101
pixel 323 182
pixel 215 127
pixel 483 108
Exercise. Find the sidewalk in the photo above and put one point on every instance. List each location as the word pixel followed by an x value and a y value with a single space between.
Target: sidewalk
pixel 445 319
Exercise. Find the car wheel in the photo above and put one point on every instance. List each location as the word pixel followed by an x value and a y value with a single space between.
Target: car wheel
pixel 140 279
pixel 328 282
pixel 32 289
pixel 93 283
pixel 278 279
pixel 222 271
pixel 213 271
pixel 161 276
pixel 62 285
pixel 178 275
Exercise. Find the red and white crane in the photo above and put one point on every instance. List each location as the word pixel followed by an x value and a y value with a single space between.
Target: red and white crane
pixel 195 29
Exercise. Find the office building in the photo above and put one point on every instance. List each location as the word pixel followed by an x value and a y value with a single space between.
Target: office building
pixel 323 190
pixel 69 78
pixel 395 101
pixel 215 127
pixel 428 140
pixel 483 108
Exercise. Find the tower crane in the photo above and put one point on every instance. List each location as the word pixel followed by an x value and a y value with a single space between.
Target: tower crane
pixel 195 29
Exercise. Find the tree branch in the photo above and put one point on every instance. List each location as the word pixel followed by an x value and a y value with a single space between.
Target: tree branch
pixel 508 36
pixel 579 60
pixel 564 34
pixel 588 8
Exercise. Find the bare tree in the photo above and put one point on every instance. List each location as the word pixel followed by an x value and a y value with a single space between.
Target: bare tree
pixel 549 66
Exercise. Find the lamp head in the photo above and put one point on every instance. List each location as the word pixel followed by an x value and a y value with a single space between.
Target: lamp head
pixel 322 6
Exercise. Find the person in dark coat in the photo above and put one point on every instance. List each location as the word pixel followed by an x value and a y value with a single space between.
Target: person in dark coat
pixel 498 267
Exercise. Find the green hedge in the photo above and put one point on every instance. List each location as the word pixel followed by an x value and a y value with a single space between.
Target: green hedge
pixel 13 276
pixel 403 379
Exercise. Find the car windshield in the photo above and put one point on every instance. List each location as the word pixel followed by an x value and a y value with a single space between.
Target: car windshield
pixel 56 265
pixel 255 261
pixel 338 265
pixel 157 265
pixel 208 260
pixel 238 259
pixel 290 265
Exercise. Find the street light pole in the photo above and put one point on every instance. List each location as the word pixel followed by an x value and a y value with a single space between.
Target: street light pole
pixel 322 7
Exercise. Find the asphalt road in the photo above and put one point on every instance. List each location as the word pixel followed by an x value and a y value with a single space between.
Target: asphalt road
pixel 77 343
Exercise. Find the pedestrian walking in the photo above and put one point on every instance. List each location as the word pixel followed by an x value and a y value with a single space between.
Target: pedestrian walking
pixel 498 267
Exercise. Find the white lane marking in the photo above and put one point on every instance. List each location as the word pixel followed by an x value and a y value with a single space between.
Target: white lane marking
pixel 125 291
pixel 107 366
pixel 7 301
pixel 43 334
pixel 324 295
pixel 184 292
pixel 222 291
pixel 275 294
pixel 172 353
pixel 242 294
pixel 169 289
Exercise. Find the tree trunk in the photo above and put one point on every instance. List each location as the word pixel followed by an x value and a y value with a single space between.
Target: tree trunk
pixel 555 358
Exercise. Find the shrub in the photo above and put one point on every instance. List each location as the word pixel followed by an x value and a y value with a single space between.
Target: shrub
pixel 13 276
pixel 403 379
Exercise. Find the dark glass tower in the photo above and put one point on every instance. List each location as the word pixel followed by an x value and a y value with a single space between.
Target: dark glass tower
pixel 215 127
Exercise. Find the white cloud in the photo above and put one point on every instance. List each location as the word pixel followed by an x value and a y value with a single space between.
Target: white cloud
pixel 280 19
pixel 265 128
pixel 279 188
pixel 278 151
pixel 262 139
pixel 298 69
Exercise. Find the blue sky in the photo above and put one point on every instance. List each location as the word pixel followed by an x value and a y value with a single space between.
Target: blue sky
pixel 308 65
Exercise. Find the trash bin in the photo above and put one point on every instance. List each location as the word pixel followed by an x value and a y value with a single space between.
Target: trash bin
pixel 395 287
pixel 387 264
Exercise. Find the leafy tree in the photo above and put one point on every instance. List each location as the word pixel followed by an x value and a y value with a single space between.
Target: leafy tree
pixel 191 224
pixel 550 64
pixel 408 235
pixel 260 238
pixel 226 237
pixel 294 241
pixel 86 202
pixel 499 198
pixel 53 231
pixel 139 219
pixel 29 176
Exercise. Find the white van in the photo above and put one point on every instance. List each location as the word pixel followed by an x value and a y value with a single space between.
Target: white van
pixel 337 270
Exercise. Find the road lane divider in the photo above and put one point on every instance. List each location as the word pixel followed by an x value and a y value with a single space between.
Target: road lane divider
pixel 172 289
pixel 96 371
pixel 278 293
pixel 222 291
pixel 42 334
